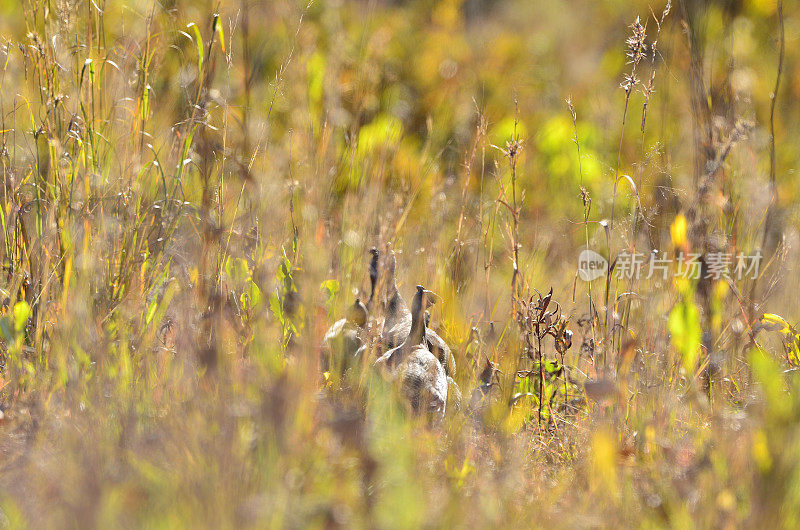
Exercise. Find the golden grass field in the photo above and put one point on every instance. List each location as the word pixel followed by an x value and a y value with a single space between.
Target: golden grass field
pixel 190 193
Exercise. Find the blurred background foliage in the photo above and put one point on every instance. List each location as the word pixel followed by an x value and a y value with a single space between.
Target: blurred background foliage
pixel 190 191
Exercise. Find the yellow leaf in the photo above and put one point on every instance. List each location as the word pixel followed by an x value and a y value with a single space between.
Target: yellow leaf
pixel 773 322
pixel 679 230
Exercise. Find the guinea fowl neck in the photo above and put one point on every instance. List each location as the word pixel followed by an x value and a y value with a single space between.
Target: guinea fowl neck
pixel 417 318
pixel 373 276
pixel 391 284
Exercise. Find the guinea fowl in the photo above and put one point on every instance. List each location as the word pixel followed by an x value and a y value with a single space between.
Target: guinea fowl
pixel 487 390
pixel 411 364
pixel 397 324
pixel 345 338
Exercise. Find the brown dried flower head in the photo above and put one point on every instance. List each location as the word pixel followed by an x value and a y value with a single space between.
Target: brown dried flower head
pixel 637 47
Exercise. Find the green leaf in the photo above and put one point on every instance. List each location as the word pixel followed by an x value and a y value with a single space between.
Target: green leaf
pixel 769 375
pixel 551 367
pixel 220 33
pixel 685 332
pixel 158 307
pixel 277 310
pixel 331 287
pixel 237 269
pixel 151 310
pixel 382 132
pixel 255 294
pixel 146 102
pixel 251 298
pixel 22 312
pixel 525 385
pixel 284 276
pixel 285 270
pixel 198 40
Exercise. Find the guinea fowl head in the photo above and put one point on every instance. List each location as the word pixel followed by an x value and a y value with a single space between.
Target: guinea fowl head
pixel 357 314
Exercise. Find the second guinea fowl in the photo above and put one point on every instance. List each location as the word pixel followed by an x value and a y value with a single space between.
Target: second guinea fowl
pixel 396 309
pixel 373 278
pixel 488 390
pixel 397 325
pixel 345 340
pixel 414 368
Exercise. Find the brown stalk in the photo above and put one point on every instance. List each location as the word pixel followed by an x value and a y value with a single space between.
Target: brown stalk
pixel 772 184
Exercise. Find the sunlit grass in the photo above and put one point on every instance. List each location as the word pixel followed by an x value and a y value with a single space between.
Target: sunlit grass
pixel 190 193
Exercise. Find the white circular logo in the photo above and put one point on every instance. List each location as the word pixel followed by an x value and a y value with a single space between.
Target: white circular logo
pixel 591 265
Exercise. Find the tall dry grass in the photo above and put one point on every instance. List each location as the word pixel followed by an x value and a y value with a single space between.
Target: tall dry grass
pixel 190 192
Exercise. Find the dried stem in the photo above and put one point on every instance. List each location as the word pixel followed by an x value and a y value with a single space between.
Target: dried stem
pixel 772 184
